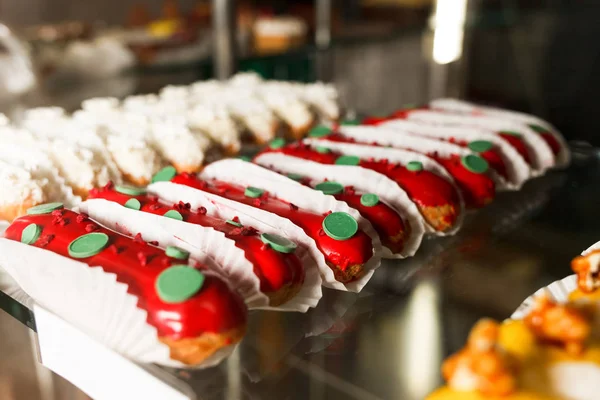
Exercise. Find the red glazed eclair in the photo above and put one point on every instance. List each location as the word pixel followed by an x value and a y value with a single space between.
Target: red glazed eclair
pixel 469 171
pixel 280 274
pixel 346 254
pixel 195 313
pixel 437 199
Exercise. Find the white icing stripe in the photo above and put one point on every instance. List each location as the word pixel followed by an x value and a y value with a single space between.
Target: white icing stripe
pixel 364 181
pixel 539 151
pixel 454 105
pixel 427 146
pixel 248 174
pixel 205 244
pixel 517 168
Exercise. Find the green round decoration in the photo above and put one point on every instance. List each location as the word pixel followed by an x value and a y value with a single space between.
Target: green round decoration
pixel 319 131
pixel 296 177
pixel 322 149
pixel 44 208
pixel 414 166
pixel 277 143
pixel 177 252
pixel 31 233
pixel 538 129
pixel 475 164
pixel 134 204
pixel 253 192
pixel 88 245
pixel 511 133
pixel 130 190
pixel 278 243
pixel 173 214
pixel 340 226
pixel 479 146
pixel 234 223
pixel 245 158
pixel 178 283
pixel 330 187
pixel 165 174
pixel 347 160
pixel 369 199
pixel 350 122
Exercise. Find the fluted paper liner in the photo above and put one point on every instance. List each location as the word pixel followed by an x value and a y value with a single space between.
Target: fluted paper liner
pixel 386 137
pixel 260 219
pixel 517 169
pixel 558 291
pixel 363 180
pixel 539 151
pixel 396 156
pixel 206 245
pixel 564 156
pixel 91 300
pixel 247 174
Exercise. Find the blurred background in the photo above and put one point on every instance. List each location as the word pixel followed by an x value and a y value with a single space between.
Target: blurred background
pixel 539 56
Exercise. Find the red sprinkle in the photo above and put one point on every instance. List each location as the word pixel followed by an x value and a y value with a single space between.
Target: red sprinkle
pixel 153 243
pixel 142 258
pixel 45 240
pixel 202 211
pixel 82 218
pixel 115 249
pixel 321 232
pixel 91 227
pixel 265 246
pixel 58 213
pixel 257 202
pixel 236 231
pixel 236 219
pixel 138 238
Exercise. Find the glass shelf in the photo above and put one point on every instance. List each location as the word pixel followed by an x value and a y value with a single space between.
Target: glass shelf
pixel 388 342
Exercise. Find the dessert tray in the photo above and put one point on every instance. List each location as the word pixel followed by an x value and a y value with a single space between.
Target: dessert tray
pixel 137 257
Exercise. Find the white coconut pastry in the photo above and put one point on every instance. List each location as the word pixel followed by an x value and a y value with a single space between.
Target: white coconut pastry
pixel 177 144
pixel 288 107
pixel 214 120
pixel 20 191
pixel 322 97
pixel 19 149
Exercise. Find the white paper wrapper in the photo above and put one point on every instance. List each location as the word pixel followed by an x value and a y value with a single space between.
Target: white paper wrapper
pixel 557 291
pixel 248 174
pixel 206 245
pixel 252 216
pixel 386 137
pixel 516 167
pixel 363 180
pixel 91 300
pixel 595 246
pixel 540 152
pixel 455 105
pixel 396 156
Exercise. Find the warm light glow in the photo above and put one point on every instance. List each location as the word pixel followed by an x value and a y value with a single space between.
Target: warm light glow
pixel 422 341
pixel 448 23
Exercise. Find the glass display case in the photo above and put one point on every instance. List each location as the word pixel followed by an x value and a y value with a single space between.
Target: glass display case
pixel 388 342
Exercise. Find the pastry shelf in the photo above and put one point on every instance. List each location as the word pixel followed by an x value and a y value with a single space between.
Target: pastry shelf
pixel 387 342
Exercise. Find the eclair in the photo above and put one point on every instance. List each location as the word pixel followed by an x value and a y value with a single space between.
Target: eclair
pixel 377 198
pixel 273 259
pixel 471 172
pixel 348 250
pixel 194 312
pixel 434 194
